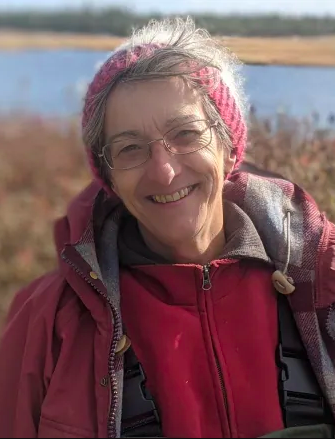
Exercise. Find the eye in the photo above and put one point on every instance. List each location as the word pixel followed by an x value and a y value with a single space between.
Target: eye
pixel 130 148
pixel 185 133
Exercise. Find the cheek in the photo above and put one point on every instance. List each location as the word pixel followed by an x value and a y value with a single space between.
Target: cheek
pixel 212 164
pixel 125 184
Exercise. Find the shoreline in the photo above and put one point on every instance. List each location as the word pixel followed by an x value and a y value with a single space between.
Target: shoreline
pixel 294 51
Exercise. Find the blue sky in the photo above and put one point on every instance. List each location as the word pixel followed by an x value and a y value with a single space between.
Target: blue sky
pixel 315 7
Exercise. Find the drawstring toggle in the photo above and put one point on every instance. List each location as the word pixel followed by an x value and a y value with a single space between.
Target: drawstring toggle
pixel 282 283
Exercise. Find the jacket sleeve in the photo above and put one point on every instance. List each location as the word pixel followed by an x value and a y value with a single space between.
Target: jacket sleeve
pixel 23 366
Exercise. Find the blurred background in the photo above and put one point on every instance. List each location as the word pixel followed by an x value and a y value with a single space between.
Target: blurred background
pixel 49 51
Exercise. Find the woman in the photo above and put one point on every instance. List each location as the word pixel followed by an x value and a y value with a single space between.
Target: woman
pixel 187 253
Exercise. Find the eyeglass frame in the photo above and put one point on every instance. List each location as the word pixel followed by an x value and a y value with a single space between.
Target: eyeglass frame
pixel 165 144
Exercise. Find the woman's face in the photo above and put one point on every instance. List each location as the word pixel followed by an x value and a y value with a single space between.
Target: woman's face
pixel 174 197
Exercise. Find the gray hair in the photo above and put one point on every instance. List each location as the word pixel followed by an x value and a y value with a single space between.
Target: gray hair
pixel 182 45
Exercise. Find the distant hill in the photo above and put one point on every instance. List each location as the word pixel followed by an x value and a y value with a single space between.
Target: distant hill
pixel 119 22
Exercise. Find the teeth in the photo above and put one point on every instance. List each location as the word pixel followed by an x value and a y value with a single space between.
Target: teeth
pixel 174 197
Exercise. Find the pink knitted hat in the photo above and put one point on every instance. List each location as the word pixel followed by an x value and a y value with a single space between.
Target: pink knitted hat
pixel 218 92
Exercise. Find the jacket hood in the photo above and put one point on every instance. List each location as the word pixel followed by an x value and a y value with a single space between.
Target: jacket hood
pixel 70 228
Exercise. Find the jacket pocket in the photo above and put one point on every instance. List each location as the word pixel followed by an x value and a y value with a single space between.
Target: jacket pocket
pixel 52 429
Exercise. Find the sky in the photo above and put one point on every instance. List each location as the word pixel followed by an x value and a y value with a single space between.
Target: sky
pixel 292 7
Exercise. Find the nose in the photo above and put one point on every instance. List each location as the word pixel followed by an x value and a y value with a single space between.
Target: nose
pixel 163 166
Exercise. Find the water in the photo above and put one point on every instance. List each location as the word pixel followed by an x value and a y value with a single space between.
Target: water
pixel 53 82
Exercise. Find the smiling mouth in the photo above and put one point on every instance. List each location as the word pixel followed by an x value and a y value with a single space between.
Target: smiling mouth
pixel 176 196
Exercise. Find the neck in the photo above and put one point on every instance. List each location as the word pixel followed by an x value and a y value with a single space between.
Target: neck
pixel 206 246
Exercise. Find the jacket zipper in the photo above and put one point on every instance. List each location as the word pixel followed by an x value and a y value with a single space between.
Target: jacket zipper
pixel 206 280
pixel 111 425
pixel 206 286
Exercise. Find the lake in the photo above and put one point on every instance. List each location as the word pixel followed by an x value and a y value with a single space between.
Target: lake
pixel 53 83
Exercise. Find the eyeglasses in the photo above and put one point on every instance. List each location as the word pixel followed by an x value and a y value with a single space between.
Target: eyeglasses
pixel 185 139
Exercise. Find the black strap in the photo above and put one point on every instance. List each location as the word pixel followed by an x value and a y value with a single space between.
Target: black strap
pixel 301 398
pixel 140 416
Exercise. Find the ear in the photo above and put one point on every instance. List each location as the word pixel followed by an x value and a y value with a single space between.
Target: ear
pixel 229 162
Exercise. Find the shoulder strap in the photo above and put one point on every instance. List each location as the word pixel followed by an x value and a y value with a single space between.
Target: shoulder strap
pixel 140 416
pixel 301 398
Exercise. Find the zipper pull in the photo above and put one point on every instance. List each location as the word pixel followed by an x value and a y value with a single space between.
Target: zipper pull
pixel 206 280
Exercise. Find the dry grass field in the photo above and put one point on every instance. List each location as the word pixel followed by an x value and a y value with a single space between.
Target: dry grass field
pixel 318 51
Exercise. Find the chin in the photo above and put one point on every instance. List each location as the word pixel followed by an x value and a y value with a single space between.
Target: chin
pixel 181 234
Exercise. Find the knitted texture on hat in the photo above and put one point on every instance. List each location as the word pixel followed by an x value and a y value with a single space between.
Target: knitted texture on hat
pixel 228 109
pixel 209 78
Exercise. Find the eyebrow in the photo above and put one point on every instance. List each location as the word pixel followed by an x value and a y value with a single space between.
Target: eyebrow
pixel 134 133
pixel 181 118
pixel 128 133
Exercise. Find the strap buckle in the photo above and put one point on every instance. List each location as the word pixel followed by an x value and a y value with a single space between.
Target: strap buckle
pixel 136 397
pixel 301 398
pixel 140 417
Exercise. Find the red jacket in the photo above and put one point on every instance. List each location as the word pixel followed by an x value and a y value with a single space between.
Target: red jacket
pixel 209 355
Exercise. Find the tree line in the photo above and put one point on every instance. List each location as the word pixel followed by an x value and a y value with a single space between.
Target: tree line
pixel 120 21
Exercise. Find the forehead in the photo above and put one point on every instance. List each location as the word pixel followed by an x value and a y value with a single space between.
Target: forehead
pixel 145 105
